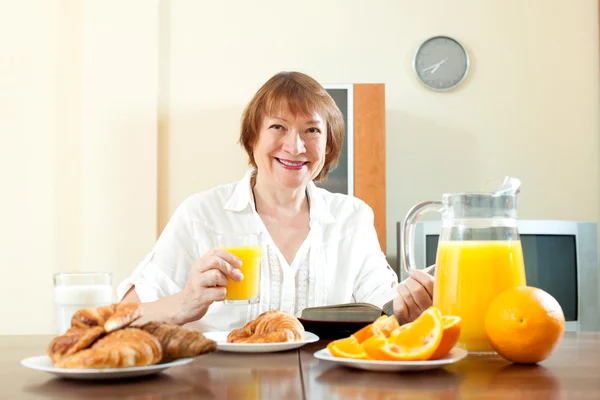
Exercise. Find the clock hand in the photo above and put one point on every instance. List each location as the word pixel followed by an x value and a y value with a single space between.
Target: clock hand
pixel 433 68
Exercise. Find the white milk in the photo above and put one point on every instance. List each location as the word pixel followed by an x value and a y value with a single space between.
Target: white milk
pixel 69 299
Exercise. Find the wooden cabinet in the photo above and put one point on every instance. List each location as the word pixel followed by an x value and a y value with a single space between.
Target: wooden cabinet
pixel 362 166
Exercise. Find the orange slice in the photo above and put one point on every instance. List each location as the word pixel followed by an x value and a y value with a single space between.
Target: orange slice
pixel 417 341
pixel 401 328
pixel 363 334
pixel 373 346
pixel 384 325
pixel 450 336
pixel 347 348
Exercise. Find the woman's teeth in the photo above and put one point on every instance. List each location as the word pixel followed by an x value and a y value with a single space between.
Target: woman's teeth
pixel 290 163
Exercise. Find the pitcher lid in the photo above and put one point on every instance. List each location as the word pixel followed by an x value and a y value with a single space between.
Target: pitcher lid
pixel 500 203
pixel 510 187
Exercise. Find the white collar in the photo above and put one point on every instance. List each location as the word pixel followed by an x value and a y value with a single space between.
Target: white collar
pixel 242 198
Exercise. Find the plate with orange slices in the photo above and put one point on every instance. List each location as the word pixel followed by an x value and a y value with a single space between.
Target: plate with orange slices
pixel 426 343
pixel 455 355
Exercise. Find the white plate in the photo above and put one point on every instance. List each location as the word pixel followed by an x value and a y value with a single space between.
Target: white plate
pixel 456 354
pixel 43 363
pixel 221 339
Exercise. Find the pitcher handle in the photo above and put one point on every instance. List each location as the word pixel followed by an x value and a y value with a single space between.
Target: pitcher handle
pixel 408 231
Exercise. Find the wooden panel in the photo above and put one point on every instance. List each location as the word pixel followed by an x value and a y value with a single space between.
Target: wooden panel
pixel 369 151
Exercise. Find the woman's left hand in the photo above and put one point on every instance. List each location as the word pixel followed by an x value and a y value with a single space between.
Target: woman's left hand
pixel 415 295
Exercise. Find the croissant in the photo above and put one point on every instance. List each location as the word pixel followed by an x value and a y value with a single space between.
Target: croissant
pixel 72 341
pixel 128 347
pixel 111 317
pixel 178 342
pixel 269 327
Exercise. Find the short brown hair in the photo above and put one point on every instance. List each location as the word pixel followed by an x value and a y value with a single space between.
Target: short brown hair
pixel 302 95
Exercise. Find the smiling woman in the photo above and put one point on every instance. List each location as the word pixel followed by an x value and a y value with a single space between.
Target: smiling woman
pixel 318 248
pixel 294 101
pixel 291 143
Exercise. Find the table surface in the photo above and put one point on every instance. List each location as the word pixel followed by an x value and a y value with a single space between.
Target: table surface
pixel 572 372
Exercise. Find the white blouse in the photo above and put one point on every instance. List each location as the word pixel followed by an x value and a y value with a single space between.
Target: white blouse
pixel 339 262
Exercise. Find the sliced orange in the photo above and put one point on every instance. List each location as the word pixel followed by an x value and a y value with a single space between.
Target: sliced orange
pixel 364 333
pixel 401 328
pixel 347 348
pixel 373 346
pixel 450 336
pixel 417 341
pixel 384 325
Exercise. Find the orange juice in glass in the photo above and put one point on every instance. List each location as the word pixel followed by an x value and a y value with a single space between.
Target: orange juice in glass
pixel 468 276
pixel 248 249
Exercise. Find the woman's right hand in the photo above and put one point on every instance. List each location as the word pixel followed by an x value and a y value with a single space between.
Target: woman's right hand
pixel 206 283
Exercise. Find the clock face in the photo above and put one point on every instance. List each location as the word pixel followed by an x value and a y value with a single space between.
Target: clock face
pixel 441 63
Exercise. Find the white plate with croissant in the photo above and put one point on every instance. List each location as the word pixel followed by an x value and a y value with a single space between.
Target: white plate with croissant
pixel 101 344
pixel 44 363
pixel 270 332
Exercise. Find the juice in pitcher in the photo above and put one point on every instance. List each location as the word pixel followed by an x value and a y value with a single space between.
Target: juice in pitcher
pixel 469 275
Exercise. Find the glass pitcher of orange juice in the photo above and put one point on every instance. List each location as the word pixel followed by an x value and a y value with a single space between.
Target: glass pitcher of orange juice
pixel 479 255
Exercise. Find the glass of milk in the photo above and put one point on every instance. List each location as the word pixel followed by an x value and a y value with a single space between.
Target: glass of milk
pixel 73 291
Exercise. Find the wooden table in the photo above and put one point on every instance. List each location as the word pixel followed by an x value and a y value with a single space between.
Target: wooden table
pixel 573 372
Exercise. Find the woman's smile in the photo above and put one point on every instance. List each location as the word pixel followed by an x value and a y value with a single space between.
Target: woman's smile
pixel 291 165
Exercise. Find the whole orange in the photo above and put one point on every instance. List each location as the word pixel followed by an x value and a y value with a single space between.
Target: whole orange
pixel 524 324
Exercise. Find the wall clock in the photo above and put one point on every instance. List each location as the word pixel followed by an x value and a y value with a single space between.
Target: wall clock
pixel 441 63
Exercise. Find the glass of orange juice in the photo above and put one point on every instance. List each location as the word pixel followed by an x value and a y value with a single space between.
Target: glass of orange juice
pixel 248 249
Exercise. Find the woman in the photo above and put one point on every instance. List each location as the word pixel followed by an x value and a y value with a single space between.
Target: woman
pixel 321 248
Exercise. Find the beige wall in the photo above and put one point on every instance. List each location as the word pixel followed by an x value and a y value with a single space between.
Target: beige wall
pixel 78 90
pixel 89 176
